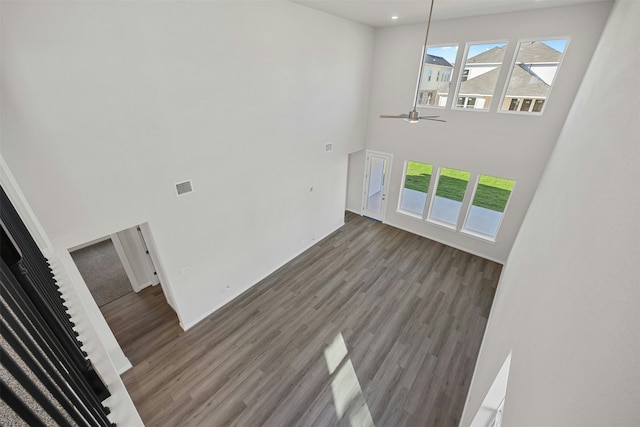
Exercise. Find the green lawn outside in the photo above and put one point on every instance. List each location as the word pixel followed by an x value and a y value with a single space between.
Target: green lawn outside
pixel 492 193
pixel 452 184
pixel 418 176
pixel 491 198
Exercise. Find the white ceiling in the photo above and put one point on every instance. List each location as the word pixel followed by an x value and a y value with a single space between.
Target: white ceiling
pixel 377 13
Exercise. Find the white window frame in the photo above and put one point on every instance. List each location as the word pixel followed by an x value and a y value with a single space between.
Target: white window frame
pixel 425 208
pixel 454 73
pixel 512 66
pixel 465 104
pixel 486 237
pixel 465 201
pixel 463 63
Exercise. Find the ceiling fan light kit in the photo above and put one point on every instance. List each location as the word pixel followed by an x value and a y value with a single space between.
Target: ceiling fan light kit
pixel 414 115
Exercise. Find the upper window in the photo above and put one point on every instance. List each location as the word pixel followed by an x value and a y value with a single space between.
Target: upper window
pixel 532 75
pixel 489 203
pixel 450 190
pixel 480 75
pixel 436 76
pixel 417 178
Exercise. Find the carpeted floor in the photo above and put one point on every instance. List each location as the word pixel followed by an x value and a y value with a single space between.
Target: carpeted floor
pixel 102 271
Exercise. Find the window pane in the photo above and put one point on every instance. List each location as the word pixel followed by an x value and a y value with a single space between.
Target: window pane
pixel 480 75
pixel 416 185
pixel 436 75
pixel 533 73
pixel 489 202
pixel 452 184
pixel 537 107
pixel 376 184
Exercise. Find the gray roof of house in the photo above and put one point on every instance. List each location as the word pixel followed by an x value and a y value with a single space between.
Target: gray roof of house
pixel 484 84
pixel 537 52
pixel 525 83
pixel 529 52
pixel 437 60
pixel 491 56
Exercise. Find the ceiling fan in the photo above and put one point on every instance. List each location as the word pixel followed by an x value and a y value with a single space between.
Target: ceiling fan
pixel 414 115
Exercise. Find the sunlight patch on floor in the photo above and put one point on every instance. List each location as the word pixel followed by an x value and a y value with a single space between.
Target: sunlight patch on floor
pixel 335 353
pixel 347 393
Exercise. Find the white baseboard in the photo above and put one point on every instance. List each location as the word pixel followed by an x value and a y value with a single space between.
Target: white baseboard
pixel 190 325
pixel 446 243
pixel 146 285
pixel 121 370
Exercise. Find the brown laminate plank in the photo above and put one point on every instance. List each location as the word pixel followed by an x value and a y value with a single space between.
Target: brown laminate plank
pixel 411 314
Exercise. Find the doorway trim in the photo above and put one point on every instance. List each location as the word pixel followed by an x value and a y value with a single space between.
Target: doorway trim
pixel 383 178
pixel 150 242
pixel 117 244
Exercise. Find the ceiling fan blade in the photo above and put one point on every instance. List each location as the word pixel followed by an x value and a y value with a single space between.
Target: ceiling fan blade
pixel 399 116
pixel 432 119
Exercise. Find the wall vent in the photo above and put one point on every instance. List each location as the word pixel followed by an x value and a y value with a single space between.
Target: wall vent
pixel 184 188
pixel 328 147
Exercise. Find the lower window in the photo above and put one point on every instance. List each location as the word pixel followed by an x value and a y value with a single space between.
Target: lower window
pixel 416 185
pixel 490 200
pixel 445 207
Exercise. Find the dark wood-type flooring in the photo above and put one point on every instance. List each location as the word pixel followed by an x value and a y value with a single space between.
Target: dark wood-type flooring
pixel 371 326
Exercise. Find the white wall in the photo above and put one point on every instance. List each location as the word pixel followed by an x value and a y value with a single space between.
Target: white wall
pixel 105 105
pixel 510 146
pixel 355 181
pixel 567 303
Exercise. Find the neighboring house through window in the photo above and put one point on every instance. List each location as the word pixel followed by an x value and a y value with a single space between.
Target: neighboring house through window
pixel 436 76
pixel 480 75
pixel 533 73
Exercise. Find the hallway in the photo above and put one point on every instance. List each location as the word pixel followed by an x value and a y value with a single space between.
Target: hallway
pixel 142 322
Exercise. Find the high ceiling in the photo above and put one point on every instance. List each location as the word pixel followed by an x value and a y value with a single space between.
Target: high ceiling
pixel 377 13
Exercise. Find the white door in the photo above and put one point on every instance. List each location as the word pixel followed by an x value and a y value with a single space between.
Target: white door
pixel 376 183
pixel 135 258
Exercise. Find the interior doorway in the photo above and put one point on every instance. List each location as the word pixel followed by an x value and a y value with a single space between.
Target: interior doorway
pixel 102 271
pixel 376 184
pixel 114 265
pixel 122 271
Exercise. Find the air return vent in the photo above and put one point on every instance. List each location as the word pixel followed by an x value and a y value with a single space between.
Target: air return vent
pixel 183 188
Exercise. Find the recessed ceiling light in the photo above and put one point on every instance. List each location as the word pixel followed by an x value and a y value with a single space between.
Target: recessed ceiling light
pixel 395 17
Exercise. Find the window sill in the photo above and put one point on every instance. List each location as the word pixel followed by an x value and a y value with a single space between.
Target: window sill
pixel 520 113
pixel 478 110
pixel 479 236
pixel 437 107
pixel 442 224
pixel 409 214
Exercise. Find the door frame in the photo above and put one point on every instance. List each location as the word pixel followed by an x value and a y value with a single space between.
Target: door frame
pixel 386 179
pixel 128 269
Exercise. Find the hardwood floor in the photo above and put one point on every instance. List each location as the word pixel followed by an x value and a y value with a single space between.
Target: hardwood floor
pixel 371 326
pixel 142 322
